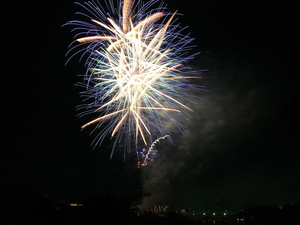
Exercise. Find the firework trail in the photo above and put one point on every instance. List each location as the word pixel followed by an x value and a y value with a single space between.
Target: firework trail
pixel 136 65
pixel 151 149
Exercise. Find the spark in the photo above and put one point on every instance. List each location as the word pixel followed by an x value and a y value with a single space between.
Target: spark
pixel 136 68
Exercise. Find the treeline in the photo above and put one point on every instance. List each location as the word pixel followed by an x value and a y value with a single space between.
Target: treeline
pixel 22 205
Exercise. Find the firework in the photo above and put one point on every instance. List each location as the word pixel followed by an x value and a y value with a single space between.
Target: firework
pixel 136 59
pixel 151 151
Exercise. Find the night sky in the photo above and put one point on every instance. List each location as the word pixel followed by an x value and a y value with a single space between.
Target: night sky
pixel 242 142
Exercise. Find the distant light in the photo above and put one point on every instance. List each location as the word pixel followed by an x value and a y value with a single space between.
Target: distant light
pixel 75 204
pixel 214 214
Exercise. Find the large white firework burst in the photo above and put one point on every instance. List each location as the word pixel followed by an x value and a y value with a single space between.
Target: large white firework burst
pixel 136 59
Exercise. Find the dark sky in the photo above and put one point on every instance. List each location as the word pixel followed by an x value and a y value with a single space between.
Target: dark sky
pixel 242 142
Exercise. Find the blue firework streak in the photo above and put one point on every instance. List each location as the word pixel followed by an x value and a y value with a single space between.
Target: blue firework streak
pixel 136 59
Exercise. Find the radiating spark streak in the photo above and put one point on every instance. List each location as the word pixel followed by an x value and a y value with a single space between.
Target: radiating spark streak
pixel 167 96
pixel 122 121
pixel 147 21
pixel 164 109
pixel 135 68
pixel 138 120
pixel 126 14
pixel 177 78
pixel 94 38
pixel 157 40
pixel 101 118
pixel 117 28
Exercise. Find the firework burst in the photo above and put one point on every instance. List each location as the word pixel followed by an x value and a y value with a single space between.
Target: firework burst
pixel 136 59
